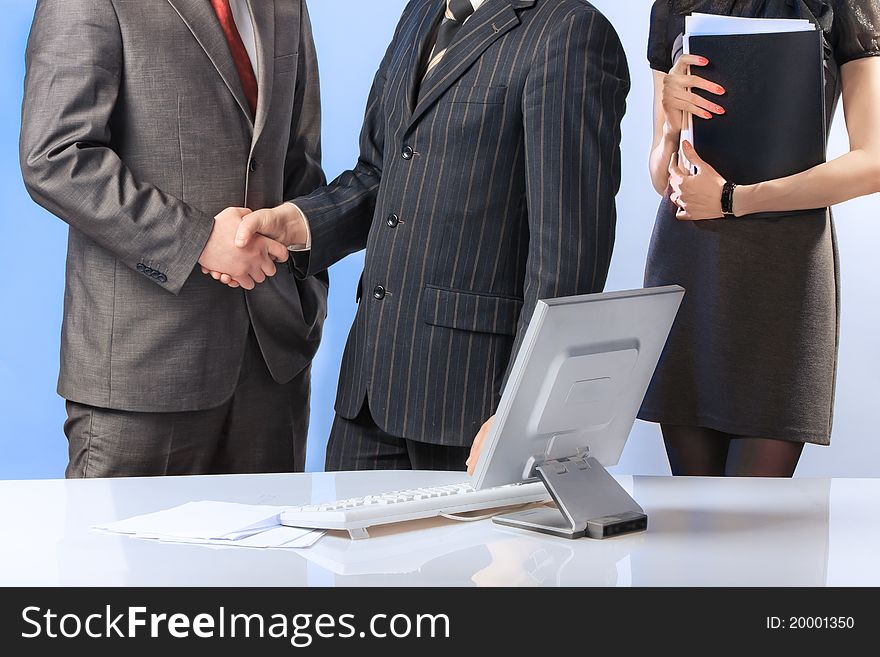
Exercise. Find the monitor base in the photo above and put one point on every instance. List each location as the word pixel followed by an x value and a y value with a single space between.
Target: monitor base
pixel 589 503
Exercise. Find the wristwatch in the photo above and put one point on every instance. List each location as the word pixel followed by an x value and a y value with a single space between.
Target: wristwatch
pixel 727 199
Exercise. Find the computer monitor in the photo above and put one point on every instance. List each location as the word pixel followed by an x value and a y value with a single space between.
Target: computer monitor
pixel 569 405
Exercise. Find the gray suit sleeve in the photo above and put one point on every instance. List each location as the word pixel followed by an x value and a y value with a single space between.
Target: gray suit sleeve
pixel 573 105
pixel 74 57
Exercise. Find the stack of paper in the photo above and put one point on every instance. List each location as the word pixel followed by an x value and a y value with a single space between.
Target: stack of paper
pixel 223 524
pixel 698 24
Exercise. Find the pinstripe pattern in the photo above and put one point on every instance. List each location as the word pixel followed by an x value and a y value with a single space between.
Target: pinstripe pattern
pixel 359 444
pixel 507 197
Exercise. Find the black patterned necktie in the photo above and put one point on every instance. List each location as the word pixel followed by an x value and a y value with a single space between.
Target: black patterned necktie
pixel 458 11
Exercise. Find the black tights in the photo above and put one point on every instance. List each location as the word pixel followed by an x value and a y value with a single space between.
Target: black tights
pixel 700 452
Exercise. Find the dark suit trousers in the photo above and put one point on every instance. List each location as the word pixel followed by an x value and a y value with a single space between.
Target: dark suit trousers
pixel 261 428
pixel 359 444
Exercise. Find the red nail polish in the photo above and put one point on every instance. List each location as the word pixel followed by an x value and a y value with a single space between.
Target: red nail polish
pixel 720 109
pixel 721 90
pixel 703 60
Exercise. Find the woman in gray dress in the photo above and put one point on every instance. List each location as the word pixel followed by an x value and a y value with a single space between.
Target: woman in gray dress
pixel 748 374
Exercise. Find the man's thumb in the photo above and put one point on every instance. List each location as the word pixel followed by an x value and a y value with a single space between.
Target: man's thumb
pixel 249 227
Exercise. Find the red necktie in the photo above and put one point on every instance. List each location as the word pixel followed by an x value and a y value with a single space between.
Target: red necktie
pixel 239 52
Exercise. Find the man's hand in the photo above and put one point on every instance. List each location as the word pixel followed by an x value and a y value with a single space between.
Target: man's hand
pixel 245 266
pixel 477 447
pixel 284 224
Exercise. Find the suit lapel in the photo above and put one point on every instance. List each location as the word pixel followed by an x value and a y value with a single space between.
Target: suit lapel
pixel 263 14
pixel 488 24
pixel 201 20
pixel 423 26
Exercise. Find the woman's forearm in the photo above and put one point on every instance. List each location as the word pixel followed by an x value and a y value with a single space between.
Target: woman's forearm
pixel 855 174
pixel 850 176
pixel 660 158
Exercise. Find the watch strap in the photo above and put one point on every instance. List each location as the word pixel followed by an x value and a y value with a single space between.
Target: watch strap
pixel 727 198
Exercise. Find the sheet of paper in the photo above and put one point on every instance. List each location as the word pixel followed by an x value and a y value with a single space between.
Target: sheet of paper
pixel 306 541
pixel 217 524
pixel 204 520
pixel 698 24
pixel 276 537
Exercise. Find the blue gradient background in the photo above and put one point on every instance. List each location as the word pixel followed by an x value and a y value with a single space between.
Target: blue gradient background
pixel 351 37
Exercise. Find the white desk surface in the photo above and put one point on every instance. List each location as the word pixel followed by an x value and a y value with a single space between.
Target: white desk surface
pixel 727 532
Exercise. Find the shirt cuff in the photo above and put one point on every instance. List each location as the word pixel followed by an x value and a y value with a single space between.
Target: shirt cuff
pixel 298 248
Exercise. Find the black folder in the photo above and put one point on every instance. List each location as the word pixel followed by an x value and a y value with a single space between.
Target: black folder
pixel 775 124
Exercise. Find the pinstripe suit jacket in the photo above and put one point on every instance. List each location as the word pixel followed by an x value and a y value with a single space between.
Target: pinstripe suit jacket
pixel 490 188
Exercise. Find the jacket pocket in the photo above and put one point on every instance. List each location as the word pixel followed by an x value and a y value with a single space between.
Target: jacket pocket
pixel 471 311
pixel 286 63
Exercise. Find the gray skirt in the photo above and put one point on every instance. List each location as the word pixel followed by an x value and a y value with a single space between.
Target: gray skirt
pixel 753 351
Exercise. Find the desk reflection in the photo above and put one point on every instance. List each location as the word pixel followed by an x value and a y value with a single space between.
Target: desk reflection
pixel 701 532
pixel 699 536
pixel 439 553
pixel 775 532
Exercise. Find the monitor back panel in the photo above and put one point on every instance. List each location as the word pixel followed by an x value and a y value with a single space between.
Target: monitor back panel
pixel 578 380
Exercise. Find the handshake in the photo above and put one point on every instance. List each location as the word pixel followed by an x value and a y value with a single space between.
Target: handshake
pixel 245 246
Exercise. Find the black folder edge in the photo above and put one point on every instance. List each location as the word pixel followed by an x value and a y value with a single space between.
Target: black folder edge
pixel 678 51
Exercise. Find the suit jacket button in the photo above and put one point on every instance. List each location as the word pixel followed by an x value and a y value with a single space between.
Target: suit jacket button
pixel 379 293
pixel 148 271
pixel 253 166
pixel 392 220
pixel 162 278
pixel 407 153
pixel 155 275
pixel 141 267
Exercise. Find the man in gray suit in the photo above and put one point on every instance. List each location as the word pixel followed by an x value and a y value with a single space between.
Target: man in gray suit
pixel 487 178
pixel 142 121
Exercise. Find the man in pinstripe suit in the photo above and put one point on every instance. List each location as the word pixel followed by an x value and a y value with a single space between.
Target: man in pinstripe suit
pixel 487 178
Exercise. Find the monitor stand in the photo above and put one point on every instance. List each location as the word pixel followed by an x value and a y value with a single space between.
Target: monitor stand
pixel 589 502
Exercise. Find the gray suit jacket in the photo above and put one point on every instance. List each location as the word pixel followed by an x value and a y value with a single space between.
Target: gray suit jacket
pixel 488 188
pixel 136 132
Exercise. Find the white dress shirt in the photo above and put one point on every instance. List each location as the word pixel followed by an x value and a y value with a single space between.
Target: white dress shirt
pixel 241 12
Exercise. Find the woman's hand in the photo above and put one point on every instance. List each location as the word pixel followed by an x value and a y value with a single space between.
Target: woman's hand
pixel 678 99
pixel 697 196
pixel 674 102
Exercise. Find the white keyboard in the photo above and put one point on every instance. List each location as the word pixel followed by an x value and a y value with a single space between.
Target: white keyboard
pixel 359 513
